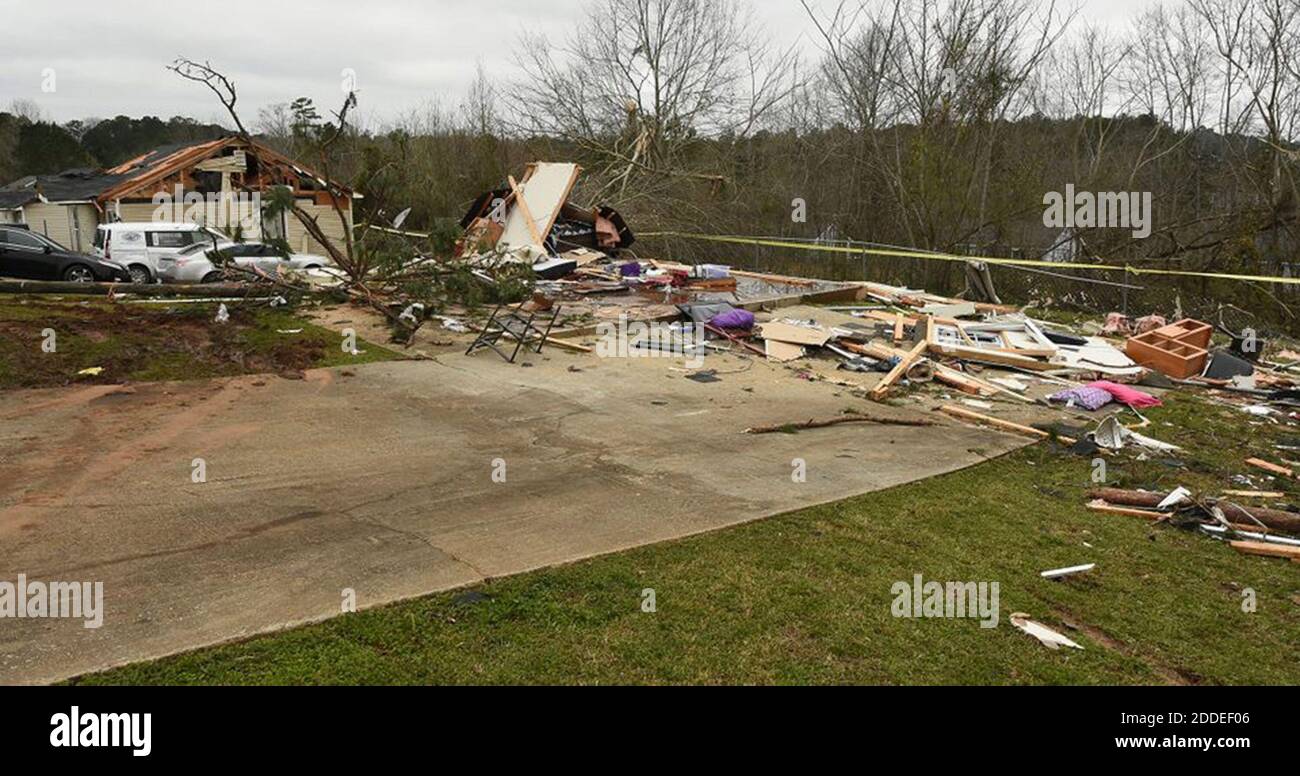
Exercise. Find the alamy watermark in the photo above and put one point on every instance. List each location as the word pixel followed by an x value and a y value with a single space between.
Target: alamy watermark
pixel 33 599
pixel 974 600
pixel 1100 210
pixel 654 339
pixel 224 208
pixel 95 729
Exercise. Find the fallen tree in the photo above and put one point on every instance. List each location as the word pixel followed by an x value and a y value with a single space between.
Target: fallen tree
pixel 1276 519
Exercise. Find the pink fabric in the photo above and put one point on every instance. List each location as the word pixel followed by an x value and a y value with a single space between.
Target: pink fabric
pixel 1126 395
pixel 1116 323
pixel 1149 323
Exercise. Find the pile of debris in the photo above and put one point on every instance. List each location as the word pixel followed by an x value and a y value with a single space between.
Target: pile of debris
pixel 1252 530
pixel 534 222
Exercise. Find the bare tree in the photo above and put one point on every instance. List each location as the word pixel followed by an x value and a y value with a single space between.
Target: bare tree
pixel 640 82
pixel 218 84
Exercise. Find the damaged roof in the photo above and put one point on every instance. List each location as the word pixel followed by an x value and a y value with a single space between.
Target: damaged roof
pixel 77 185
pixel 91 185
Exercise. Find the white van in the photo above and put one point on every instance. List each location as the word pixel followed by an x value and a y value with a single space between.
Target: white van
pixel 139 245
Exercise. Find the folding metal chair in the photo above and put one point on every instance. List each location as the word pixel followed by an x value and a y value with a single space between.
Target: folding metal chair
pixel 522 326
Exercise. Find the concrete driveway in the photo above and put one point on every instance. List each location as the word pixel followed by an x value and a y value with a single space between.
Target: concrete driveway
pixel 379 479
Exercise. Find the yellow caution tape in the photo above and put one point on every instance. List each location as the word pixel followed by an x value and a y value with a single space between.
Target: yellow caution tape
pixel 1038 263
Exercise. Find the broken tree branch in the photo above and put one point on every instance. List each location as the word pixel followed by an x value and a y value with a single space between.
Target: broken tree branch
pixel 790 428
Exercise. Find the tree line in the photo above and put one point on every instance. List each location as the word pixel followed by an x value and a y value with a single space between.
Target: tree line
pixel 936 124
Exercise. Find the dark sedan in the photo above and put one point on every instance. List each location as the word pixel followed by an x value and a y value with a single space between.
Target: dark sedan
pixel 26 254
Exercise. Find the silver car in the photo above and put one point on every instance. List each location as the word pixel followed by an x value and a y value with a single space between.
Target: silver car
pixel 192 264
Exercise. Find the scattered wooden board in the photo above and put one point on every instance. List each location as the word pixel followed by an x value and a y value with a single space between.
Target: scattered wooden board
pixel 1101 506
pixel 1269 467
pixel 1267 549
pixel 882 388
pixel 1005 425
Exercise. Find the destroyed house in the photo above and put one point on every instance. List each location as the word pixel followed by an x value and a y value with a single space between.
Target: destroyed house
pixel 220 183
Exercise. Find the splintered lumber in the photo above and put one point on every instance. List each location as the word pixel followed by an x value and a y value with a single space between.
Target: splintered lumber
pixel 1267 549
pixel 853 418
pixel 990 356
pixel 522 204
pixel 944 374
pixel 1101 506
pixel 734 339
pixel 565 345
pixel 1269 467
pixel 1005 425
pixel 961 382
pixel 882 388
pixel 1276 519
pixel 1255 493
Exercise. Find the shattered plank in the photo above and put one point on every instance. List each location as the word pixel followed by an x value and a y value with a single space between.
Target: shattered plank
pixel 1269 467
pixel 525 212
pixel 1101 506
pixel 1266 549
pixel 882 388
pixel 1005 425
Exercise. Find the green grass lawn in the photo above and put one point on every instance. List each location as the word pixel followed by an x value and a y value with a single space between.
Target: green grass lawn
pixel 134 342
pixel 806 597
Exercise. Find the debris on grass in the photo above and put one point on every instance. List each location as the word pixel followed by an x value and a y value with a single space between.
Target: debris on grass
pixel 1045 635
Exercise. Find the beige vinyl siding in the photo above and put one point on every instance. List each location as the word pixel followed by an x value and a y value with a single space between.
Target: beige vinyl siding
pixel 295 232
pixel 135 212
pixel 301 242
pixel 238 212
pixel 72 226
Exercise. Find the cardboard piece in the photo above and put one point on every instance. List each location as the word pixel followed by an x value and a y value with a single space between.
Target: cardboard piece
pixel 796 335
pixel 783 351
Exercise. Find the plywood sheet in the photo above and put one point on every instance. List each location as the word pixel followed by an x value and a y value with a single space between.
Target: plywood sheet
pixel 798 335
pixel 544 192
pixel 783 351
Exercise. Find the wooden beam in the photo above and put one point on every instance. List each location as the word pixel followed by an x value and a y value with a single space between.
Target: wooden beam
pixel 1267 549
pixel 1102 506
pixel 1005 425
pixel 528 214
pixel 882 388
pixel 1269 467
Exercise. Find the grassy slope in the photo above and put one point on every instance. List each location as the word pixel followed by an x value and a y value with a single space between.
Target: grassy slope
pixel 805 597
pixel 141 343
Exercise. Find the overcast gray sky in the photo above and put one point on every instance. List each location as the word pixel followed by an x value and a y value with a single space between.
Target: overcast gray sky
pixel 107 57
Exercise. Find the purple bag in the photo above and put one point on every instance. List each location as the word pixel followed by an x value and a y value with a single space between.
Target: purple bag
pixel 734 319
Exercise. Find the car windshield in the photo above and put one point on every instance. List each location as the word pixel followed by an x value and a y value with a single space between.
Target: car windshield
pixel 193 249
